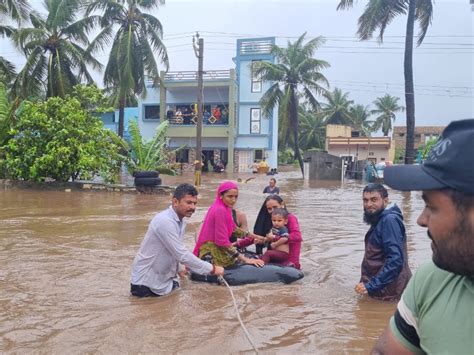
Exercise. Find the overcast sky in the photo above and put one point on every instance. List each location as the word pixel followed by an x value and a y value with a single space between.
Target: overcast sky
pixel 443 64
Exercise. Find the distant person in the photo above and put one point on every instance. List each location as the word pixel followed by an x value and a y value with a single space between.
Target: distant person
pixel 155 268
pixel 271 188
pixel 436 312
pixel 263 164
pixel 179 116
pixel 384 271
pixel 254 167
pixel 279 250
pixel 217 113
pixel 205 117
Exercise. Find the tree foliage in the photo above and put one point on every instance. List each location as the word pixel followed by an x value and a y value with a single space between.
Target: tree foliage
pixel 377 15
pixel 385 109
pixel 57 52
pixel 337 108
pixel 57 139
pixel 296 74
pixel 135 36
pixel 312 129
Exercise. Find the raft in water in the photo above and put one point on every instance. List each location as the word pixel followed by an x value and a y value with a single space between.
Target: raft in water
pixel 249 274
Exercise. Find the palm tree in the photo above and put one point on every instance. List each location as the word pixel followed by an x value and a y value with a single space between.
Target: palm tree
pixel 56 50
pixel 16 10
pixel 137 40
pixel 337 108
pixel 296 72
pixel 386 108
pixel 360 119
pixel 312 129
pixel 377 15
pixel 7 71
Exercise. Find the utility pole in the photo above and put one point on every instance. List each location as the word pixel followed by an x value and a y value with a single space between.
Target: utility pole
pixel 199 52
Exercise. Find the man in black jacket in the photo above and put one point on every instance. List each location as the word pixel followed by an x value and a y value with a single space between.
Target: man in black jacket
pixel 384 271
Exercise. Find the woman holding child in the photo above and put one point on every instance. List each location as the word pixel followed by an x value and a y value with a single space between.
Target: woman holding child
pixel 263 230
pixel 214 240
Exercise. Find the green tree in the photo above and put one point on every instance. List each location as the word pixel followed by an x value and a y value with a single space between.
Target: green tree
pixel 337 108
pixel 312 129
pixel 296 71
pixel 136 44
pixel 58 139
pixel 91 98
pixel 4 115
pixel 378 14
pixel 425 149
pixel 386 108
pixel 360 119
pixel 56 49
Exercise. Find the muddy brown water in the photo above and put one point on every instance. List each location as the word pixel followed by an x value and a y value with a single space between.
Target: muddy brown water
pixel 65 262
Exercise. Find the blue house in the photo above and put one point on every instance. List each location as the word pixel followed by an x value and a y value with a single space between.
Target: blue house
pixel 110 119
pixel 235 131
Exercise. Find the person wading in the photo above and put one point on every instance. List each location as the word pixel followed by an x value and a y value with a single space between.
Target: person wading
pixel 384 271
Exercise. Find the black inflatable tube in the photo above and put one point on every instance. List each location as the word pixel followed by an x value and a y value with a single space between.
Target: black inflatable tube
pixel 249 274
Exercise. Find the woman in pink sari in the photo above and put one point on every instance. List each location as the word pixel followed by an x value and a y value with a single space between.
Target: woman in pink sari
pixel 213 242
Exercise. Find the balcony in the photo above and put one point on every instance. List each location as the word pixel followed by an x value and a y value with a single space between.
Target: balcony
pixel 186 115
pixel 193 75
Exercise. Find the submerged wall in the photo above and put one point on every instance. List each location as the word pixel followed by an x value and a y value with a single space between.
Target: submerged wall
pixel 322 166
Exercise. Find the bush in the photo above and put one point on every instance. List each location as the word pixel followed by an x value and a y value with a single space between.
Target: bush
pixel 58 139
pixel 286 156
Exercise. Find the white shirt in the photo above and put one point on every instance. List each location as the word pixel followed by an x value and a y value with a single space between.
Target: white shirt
pixel 157 262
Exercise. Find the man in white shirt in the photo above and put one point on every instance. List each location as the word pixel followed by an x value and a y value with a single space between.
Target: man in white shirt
pixel 155 268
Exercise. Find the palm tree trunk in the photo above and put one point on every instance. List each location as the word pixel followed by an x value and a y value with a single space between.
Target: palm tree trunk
pixel 121 117
pixel 409 87
pixel 294 125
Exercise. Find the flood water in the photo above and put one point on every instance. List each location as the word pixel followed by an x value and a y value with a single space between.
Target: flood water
pixel 65 261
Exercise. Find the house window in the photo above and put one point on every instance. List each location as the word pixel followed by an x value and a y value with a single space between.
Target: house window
pixel 255 116
pixel 152 112
pixel 256 79
pixel 258 154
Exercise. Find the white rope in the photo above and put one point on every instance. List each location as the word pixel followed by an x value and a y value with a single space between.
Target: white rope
pixel 247 334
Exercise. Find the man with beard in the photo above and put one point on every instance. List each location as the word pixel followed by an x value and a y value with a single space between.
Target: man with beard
pixel 155 268
pixel 436 312
pixel 384 270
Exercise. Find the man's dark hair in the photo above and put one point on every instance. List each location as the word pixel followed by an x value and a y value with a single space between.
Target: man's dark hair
pixel 280 212
pixel 274 180
pixel 183 190
pixel 374 187
pixel 463 201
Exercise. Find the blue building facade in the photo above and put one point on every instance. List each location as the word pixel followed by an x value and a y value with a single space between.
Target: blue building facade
pixel 235 131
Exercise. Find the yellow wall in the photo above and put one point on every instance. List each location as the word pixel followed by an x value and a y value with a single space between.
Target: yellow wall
pixel 334 130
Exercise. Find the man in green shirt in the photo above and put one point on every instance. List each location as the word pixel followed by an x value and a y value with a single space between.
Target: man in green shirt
pixel 436 312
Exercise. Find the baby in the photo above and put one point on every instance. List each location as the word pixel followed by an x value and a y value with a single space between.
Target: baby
pixel 280 249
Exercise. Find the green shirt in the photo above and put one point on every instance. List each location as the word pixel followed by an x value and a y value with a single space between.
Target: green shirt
pixel 438 308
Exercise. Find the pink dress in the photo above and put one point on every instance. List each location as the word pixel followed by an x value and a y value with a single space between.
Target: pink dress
pixel 218 223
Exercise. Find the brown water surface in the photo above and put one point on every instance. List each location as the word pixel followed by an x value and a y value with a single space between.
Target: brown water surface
pixel 65 268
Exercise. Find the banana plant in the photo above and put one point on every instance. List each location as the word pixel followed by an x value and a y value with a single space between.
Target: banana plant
pixel 148 155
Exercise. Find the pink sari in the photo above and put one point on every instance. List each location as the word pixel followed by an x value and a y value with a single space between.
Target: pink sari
pixel 218 223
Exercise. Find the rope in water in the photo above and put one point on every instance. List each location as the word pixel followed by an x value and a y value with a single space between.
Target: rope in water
pixel 247 334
